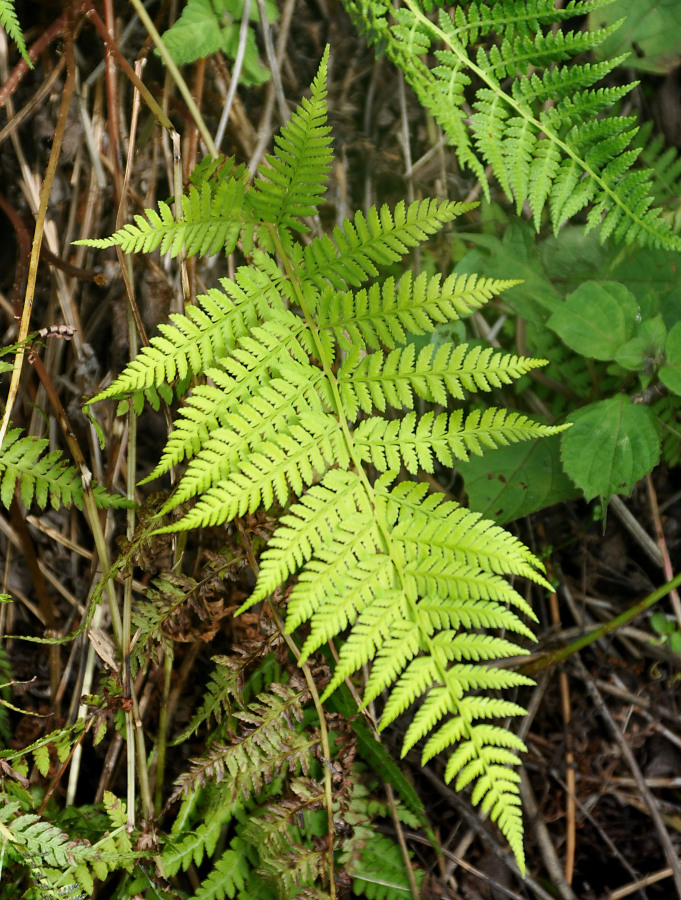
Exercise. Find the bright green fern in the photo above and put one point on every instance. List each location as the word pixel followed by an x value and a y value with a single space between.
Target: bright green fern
pixel 10 22
pixel 307 386
pixel 498 76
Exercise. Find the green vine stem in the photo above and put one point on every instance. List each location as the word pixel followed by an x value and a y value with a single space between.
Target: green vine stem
pixel 558 656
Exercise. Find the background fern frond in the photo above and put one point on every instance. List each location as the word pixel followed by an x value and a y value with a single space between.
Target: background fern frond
pixel 45 477
pixel 536 122
pixel 269 744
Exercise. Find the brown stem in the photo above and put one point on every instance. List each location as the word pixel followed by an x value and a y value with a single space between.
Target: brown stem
pixel 93 16
pixel 50 34
pixel 45 192
pixel 112 101
pixel 24 241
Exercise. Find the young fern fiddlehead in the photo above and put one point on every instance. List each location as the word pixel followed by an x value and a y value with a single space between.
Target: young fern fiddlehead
pixel 298 363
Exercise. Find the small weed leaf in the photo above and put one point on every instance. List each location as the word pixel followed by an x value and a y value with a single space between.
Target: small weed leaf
pixel 623 446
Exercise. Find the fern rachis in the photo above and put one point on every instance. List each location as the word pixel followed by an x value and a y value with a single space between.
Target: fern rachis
pixel 300 376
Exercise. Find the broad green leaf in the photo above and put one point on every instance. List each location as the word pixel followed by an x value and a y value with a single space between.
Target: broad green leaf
pixel 206 26
pixel 196 34
pixel 573 256
pixel 596 319
pixel 611 445
pixel 649 33
pixel 670 373
pixel 644 352
pixel 515 481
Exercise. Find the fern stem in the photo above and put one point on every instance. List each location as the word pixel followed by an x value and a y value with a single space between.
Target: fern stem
pixel 177 77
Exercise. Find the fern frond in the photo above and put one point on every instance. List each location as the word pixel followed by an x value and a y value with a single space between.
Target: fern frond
pixel 287 859
pixel 414 514
pixel 10 22
pixel 200 843
pixel 379 870
pixel 45 478
pixel 537 118
pixel 308 527
pixel 416 584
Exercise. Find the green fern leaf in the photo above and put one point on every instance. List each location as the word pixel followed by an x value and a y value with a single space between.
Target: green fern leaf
pixel 45 478
pixel 412 443
pixel 374 381
pixel 301 369
pixel 226 879
pixel 10 22
pixel 537 118
pixel 197 339
pixel 378 239
pixel 386 312
pixel 211 221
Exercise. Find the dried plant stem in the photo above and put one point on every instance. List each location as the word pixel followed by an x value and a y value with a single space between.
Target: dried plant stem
pixel 177 77
pixel 45 192
pixel 628 755
pixel 667 567
pixel 570 808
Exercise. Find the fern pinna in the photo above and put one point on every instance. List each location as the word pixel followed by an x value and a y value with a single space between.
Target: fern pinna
pixel 303 374
pixel 499 78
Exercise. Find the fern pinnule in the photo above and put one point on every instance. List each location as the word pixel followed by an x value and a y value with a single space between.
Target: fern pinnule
pixel 379 238
pixel 415 442
pixel 211 221
pixel 227 878
pixel 376 380
pixel 196 339
pixel 383 314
